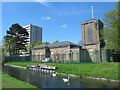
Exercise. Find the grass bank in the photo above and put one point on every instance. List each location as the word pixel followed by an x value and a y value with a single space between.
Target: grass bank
pixel 101 70
pixel 10 82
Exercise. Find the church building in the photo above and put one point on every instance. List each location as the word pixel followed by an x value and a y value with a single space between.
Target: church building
pixel 90 51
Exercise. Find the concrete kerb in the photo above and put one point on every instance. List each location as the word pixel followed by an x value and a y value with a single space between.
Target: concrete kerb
pixel 94 78
pixel 15 66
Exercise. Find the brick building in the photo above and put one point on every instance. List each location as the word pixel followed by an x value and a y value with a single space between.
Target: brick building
pixel 90 51
pixel 60 52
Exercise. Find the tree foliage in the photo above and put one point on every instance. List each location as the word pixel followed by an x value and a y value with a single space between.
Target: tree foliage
pixel 112 29
pixel 56 41
pixel 29 48
pixel 46 43
pixel 38 43
pixel 16 39
pixel 41 43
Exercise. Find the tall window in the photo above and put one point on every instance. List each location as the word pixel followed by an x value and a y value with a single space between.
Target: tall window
pixel 90 35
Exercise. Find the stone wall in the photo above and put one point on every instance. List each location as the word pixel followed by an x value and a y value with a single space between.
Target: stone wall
pixel 92 55
pixel 95 47
pixel 38 55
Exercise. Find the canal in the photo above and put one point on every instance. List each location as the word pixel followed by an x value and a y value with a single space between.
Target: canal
pixel 43 80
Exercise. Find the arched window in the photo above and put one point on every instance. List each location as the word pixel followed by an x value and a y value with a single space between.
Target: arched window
pixel 90 35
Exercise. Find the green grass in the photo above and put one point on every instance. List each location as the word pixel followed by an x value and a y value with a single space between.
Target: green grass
pixel 24 64
pixel 10 82
pixel 107 70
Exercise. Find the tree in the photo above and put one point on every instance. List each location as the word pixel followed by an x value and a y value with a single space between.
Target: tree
pixel 112 29
pixel 29 48
pixel 38 43
pixel 7 44
pixel 16 39
pixel 1 54
pixel 56 41
pixel 46 43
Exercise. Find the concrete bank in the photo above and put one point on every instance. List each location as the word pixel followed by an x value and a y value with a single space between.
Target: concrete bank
pixel 94 78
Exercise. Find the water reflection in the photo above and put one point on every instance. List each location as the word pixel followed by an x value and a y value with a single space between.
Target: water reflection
pixel 42 80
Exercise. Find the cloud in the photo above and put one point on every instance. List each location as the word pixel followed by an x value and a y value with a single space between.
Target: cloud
pixel 63 26
pixel 48 18
pixel 43 2
pixel 73 10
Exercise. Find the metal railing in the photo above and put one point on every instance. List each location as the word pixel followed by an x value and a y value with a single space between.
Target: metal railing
pixel 73 57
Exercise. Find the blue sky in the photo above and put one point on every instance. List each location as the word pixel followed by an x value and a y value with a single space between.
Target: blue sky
pixel 60 21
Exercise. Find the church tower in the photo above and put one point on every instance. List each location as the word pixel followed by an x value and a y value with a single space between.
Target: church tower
pixel 91 34
pixel 92 40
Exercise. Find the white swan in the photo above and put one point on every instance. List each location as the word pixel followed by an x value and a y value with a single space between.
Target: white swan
pixel 66 79
pixel 54 74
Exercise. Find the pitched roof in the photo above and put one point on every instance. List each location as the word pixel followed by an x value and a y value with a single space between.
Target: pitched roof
pixel 57 45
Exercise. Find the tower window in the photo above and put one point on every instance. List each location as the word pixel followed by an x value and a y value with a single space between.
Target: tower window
pixel 90 35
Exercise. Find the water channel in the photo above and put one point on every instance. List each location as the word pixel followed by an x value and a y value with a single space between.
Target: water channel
pixel 43 80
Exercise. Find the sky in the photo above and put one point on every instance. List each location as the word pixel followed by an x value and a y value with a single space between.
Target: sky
pixel 60 20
